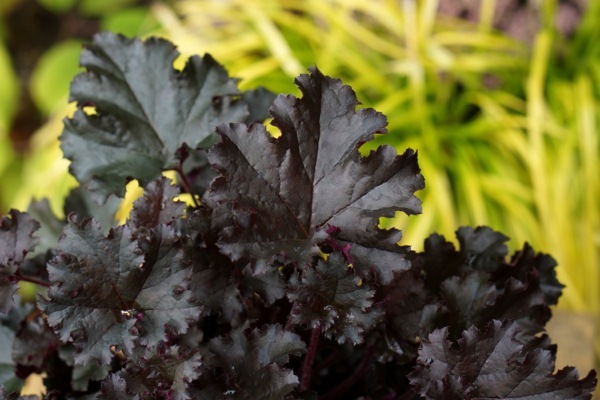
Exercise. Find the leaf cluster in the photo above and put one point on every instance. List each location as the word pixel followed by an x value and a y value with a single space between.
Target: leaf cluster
pixel 274 280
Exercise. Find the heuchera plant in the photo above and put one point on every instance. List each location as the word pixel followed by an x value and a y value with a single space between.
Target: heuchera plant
pixel 274 280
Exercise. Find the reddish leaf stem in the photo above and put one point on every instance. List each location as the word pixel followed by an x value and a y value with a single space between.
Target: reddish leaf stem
pixel 341 389
pixel 123 303
pixel 310 358
pixel 32 280
pixel 186 185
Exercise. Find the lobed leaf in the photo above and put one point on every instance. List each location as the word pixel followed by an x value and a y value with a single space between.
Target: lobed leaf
pixel 219 284
pixel 482 248
pixel 144 110
pixel 288 194
pixel 157 207
pixel 80 201
pixel 176 305
pixel 252 364
pixel 493 363
pixel 108 292
pixel 80 374
pixel 470 286
pixel 115 387
pixel 478 283
pixel 33 342
pixel 410 312
pixel 16 240
pixel 214 282
pixel 333 297
pixel 163 372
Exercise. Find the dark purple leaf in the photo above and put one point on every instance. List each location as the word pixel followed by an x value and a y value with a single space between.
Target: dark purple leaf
pixel 286 194
pixel 16 240
pixel 482 248
pixel 34 342
pixel 81 374
pixel 8 379
pixel 109 292
pixel 157 207
pixel 198 171
pixel 259 101
pixel 493 364
pixel 162 373
pixel 114 387
pixel 215 283
pixel 145 110
pixel 536 268
pixel 410 313
pixel 331 296
pixel 477 283
pixel 251 365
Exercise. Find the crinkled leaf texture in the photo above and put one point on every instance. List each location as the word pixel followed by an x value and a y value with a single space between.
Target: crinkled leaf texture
pixel 493 363
pixel 34 341
pixel 251 364
pixel 110 291
pixel 220 285
pixel 156 207
pixel 410 312
pixel 7 364
pixel 145 110
pixel 332 297
pixel 478 283
pixel 115 387
pixel 163 372
pixel 16 240
pixel 81 374
pixel 290 193
pixel 472 285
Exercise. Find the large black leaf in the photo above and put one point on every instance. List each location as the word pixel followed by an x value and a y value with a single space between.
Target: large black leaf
pixel 252 364
pixel 145 110
pixel 110 291
pixel 493 363
pixel 289 193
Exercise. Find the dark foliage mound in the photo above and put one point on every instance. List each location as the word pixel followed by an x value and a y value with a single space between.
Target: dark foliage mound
pixel 274 280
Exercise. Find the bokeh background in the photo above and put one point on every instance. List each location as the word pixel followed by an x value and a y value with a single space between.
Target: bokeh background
pixel 500 97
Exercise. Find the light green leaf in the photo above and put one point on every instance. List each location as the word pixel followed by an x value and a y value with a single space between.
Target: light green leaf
pixel 52 74
pixel 9 91
pixel 130 22
pixel 57 6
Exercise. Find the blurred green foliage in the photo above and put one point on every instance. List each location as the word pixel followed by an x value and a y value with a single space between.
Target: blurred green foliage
pixel 9 91
pixel 37 64
pixel 49 82
pixel 506 128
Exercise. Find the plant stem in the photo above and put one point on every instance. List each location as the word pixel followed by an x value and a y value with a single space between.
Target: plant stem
pixel 32 280
pixel 186 185
pixel 338 391
pixel 310 358
pixel 123 303
pixel 330 360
